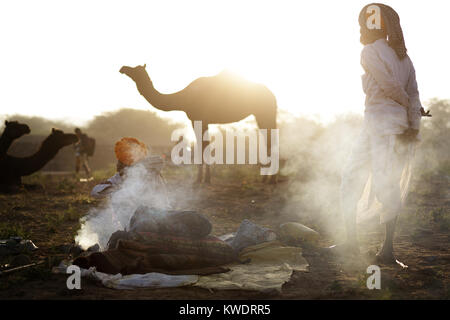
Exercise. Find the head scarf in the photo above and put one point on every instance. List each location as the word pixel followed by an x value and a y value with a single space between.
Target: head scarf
pixel 390 26
pixel 130 151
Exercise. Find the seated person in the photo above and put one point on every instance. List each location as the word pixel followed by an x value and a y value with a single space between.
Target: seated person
pixel 138 181
pixel 129 152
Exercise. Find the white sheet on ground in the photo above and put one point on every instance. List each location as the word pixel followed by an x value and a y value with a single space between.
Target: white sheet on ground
pixel 270 267
pixel 132 281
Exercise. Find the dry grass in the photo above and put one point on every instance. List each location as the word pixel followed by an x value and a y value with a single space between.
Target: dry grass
pixel 50 217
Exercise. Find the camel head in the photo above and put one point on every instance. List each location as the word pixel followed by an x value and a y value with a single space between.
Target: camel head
pixel 136 73
pixel 15 129
pixel 59 139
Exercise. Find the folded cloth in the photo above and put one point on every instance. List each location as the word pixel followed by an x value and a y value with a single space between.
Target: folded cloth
pixel 128 261
pixel 189 224
pixel 249 234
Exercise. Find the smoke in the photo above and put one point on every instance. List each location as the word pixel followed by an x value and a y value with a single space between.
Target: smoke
pixel 139 187
pixel 433 153
pixel 315 155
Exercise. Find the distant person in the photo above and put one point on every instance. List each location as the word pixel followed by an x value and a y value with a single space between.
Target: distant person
pixel 81 152
pixel 380 160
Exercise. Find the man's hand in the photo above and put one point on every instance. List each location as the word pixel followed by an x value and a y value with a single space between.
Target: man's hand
pixel 410 135
pixel 425 113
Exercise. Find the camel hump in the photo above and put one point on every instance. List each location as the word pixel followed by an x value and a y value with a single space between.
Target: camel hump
pixel 227 74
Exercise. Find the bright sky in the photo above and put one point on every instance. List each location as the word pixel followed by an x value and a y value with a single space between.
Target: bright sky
pixel 60 59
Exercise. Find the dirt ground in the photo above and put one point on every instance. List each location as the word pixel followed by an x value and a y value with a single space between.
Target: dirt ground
pixel 49 216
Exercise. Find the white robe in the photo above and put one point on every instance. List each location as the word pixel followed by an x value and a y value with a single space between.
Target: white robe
pixel 376 175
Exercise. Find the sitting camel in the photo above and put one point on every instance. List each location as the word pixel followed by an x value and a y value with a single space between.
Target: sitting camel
pixel 12 169
pixel 13 130
pixel 224 98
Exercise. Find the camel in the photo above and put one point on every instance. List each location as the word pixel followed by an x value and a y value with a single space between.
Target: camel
pixel 12 169
pixel 13 130
pixel 220 99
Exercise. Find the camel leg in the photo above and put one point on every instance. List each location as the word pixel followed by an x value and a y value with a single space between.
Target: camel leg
pixel 207 174
pixel 200 166
pixel 273 178
pixel 268 122
pixel 199 174
pixel 207 166
pixel 272 125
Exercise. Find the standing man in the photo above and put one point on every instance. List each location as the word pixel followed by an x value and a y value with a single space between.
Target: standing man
pixel 81 152
pixel 376 175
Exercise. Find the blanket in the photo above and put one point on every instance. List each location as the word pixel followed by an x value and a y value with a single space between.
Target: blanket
pixel 147 252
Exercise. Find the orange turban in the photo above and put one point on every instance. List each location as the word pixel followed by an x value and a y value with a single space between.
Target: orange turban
pixel 130 150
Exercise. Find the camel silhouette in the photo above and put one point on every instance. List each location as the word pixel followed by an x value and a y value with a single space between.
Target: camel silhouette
pixel 12 169
pixel 220 99
pixel 13 130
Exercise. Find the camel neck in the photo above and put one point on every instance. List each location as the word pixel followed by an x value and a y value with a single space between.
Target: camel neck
pixel 164 102
pixel 5 143
pixel 38 160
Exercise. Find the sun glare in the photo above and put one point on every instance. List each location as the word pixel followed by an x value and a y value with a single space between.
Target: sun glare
pixel 307 55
